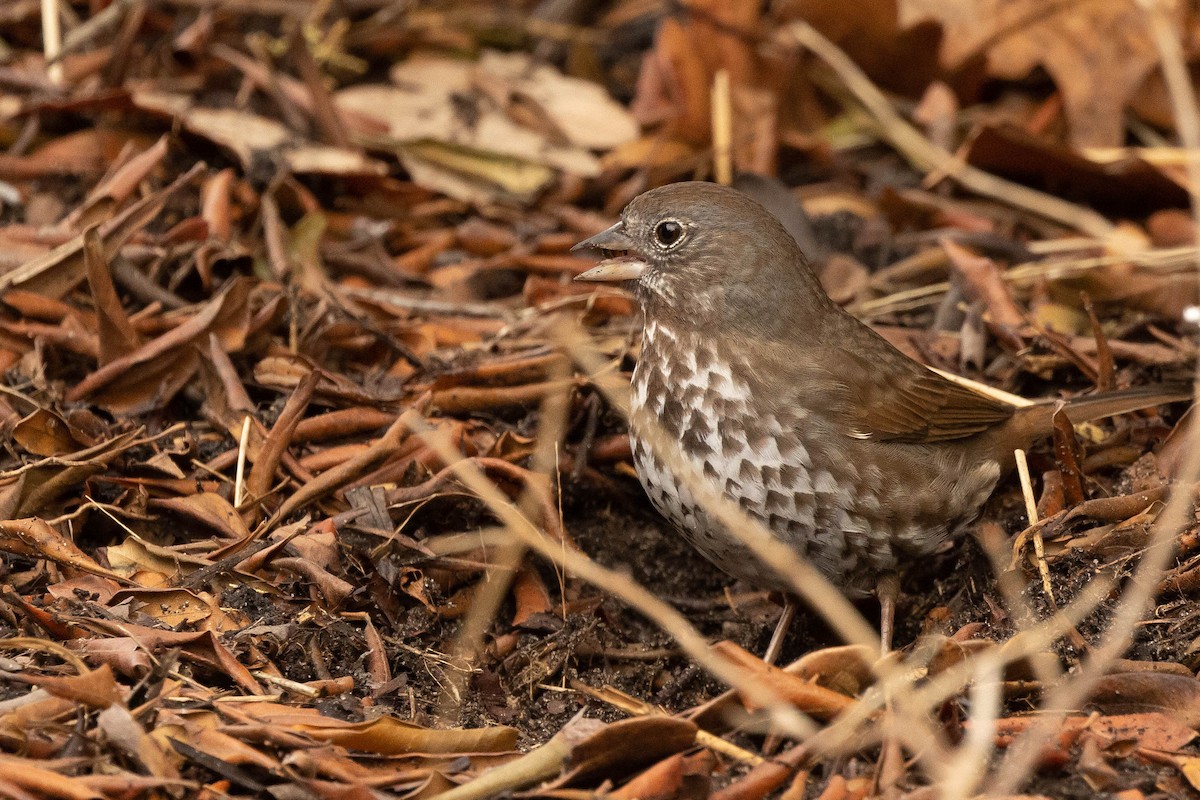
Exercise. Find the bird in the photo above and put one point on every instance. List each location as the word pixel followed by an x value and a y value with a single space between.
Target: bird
pixel 859 458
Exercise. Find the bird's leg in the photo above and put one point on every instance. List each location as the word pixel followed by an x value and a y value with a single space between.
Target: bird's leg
pixel 781 628
pixel 889 768
pixel 887 590
pixel 786 617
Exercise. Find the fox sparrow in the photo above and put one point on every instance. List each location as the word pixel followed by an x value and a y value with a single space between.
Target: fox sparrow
pixel 858 457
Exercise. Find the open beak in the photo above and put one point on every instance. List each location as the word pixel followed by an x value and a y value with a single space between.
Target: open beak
pixel 618 268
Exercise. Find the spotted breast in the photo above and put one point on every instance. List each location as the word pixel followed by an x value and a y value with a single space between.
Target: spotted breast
pixel 846 514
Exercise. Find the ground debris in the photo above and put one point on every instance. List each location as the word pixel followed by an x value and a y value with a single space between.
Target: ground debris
pixel 305 428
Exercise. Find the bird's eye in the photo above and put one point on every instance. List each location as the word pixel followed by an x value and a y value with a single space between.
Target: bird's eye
pixel 668 233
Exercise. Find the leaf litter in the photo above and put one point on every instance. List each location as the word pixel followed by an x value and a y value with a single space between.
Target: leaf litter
pixel 262 263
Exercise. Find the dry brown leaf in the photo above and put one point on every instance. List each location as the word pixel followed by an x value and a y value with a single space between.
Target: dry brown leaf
pixel 1098 52
pixel 123 730
pixel 56 272
pixel 1190 767
pixel 150 564
pixel 116 333
pixel 209 509
pixel 581 111
pixel 1128 186
pixel 30 714
pixel 331 587
pixel 811 698
pixel 532 597
pixel 151 375
pixel 121 653
pixel 124 176
pixel 201 731
pixel 35 537
pixel 95 689
pixel 676 81
pixel 1094 767
pixel 1174 695
pixel 178 607
pixel 483 153
pixel 903 60
pixel 29 490
pixel 391 736
pixel 618 748
pixel 660 782
pixel 44 433
pixel 32 780
pixel 202 646
pixel 1152 730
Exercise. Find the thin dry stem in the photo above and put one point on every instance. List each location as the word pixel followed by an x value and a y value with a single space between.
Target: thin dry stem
pixel 635 706
pixel 983 388
pixel 1130 608
pixel 722 128
pixel 959 777
pixel 1039 547
pixel 1164 260
pixel 239 484
pixel 52 40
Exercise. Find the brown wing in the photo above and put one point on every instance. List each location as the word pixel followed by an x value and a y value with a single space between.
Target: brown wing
pixel 868 389
pixel 918 405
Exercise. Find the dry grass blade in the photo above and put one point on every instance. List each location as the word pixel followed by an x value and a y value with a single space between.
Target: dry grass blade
pixel 52 39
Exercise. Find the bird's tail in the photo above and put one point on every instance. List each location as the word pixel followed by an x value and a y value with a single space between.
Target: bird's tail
pixel 1037 420
pixel 1110 404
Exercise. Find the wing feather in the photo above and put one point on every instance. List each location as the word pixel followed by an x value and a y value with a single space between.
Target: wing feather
pixel 874 392
pixel 918 405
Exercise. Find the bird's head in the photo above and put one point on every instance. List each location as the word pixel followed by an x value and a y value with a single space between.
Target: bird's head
pixel 703 252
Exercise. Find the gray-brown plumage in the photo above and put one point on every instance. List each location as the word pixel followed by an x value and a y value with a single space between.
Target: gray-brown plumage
pixel 854 454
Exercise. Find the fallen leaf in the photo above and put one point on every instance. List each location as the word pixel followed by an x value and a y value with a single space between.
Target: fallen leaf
pixel 95 688
pixel 123 730
pixel 1129 186
pixel 35 537
pixel 472 148
pixel 152 374
pixel 390 736
pixel 44 433
pixel 581 111
pixel 1174 695
pixel 1097 75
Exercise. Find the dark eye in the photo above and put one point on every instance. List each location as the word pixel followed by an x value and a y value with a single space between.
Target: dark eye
pixel 668 233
